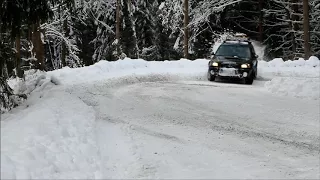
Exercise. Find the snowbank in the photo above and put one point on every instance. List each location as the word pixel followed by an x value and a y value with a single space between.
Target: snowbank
pixel 299 68
pixel 52 138
pixel 130 71
pixel 183 68
pixel 22 88
pixel 296 87
pixel 32 80
pixel 299 78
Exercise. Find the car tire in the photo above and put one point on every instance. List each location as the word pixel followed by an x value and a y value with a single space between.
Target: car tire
pixel 210 76
pixel 249 80
pixel 255 74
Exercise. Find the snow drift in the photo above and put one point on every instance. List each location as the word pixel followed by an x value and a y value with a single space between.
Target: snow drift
pixel 296 87
pixel 298 68
pixel 299 78
pixel 130 71
pixel 183 68
pixel 138 70
pixel 58 143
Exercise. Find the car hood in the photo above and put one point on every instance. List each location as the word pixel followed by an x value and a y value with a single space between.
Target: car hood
pixel 223 59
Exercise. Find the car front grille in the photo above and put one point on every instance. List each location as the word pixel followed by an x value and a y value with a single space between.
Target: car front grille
pixel 229 65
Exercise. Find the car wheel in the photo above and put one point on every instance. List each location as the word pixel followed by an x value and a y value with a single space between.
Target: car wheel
pixel 249 80
pixel 210 76
pixel 255 74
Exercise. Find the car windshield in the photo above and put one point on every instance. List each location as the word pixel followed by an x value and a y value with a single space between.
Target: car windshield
pixel 234 50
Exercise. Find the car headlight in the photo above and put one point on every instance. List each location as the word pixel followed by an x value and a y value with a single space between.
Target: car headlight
pixel 215 64
pixel 245 66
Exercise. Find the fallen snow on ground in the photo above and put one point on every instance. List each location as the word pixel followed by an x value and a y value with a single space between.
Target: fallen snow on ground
pixel 20 87
pixel 299 68
pixel 295 87
pixel 32 79
pixel 131 69
pixel 298 73
pixel 51 136
pixel 59 133
pixel 292 78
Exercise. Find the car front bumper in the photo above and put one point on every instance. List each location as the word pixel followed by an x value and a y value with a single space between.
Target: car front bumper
pixel 230 72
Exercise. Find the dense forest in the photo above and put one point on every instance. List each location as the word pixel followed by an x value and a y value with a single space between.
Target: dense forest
pixel 51 34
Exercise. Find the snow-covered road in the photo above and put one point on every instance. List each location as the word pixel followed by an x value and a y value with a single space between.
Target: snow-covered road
pixel 140 119
pixel 203 130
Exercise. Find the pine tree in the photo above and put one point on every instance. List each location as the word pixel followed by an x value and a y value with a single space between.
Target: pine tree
pixel 148 28
pixel 128 31
pixel 315 27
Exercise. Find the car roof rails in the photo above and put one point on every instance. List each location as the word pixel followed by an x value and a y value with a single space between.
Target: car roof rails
pixel 244 41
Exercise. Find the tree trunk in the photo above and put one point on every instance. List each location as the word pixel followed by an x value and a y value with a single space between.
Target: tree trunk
pixel 295 27
pixel 2 61
pixel 306 27
pixel 11 63
pixel 135 40
pixel 261 21
pixel 2 67
pixel 30 30
pixel 63 56
pixel 40 47
pixel 64 47
pixel 18 57
pixel 186 30
pixel 118 28
pixel 34 42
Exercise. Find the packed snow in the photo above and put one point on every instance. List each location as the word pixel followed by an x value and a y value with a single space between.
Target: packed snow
pixel 297 72
pixel 299 68
pixel 32 79
pixel 296 87
pixel 52 137
pixel 84 123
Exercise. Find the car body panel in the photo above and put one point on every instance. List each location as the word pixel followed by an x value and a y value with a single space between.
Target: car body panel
pixel 231 63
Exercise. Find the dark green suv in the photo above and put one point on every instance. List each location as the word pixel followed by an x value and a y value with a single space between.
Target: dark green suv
pixel 234 59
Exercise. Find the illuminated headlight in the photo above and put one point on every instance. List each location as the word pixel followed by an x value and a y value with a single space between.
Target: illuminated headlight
pixel 215 64
pixel 245 66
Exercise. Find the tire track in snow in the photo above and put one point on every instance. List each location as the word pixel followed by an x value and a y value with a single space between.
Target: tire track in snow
pixel 114 139
pixel 313 148
pixel 137 110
